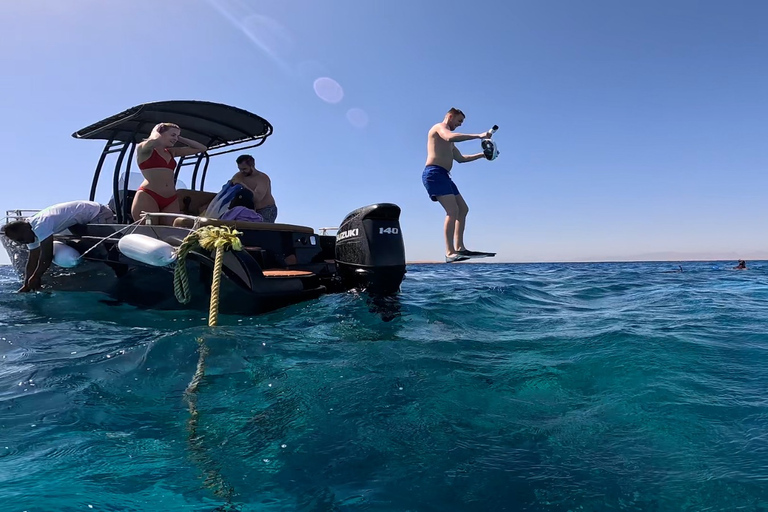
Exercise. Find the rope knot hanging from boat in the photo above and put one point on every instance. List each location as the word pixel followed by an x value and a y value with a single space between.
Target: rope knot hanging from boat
pixel 215 237
pixel 210 238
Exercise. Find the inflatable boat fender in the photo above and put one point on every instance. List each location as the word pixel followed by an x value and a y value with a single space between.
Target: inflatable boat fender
pixel 147 250
pixel 65 256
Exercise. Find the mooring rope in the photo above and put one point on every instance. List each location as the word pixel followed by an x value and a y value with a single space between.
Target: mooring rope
pixel 219 239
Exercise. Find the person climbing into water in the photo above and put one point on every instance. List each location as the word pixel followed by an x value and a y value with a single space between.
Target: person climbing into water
pixel 441 152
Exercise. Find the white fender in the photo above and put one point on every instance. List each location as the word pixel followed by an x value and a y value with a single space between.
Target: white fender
pixel 147 250
pixel 65 256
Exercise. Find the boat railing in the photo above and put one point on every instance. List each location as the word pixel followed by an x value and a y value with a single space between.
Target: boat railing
pixel 22 214
pixel 152 217
pixel 324 231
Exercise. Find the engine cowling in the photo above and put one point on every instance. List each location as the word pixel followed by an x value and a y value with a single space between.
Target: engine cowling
pixel 370 253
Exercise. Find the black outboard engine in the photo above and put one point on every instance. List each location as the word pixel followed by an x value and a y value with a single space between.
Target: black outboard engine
pixel 370 254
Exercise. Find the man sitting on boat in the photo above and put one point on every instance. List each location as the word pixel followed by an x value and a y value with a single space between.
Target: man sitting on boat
pixel 37 232
pixel 258 183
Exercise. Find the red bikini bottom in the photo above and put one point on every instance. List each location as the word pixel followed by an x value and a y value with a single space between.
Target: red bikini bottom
pixel 162 201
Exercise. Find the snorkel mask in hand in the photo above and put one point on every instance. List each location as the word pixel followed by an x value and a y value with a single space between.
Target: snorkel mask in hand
pixel 490 149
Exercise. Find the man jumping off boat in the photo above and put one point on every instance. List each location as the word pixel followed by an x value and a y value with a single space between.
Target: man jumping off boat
pixel 441 152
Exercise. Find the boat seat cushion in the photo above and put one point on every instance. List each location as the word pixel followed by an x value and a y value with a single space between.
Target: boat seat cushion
pixel 241 225
pixel 194 202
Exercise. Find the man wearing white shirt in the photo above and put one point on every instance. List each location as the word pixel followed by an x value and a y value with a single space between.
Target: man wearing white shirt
pixel 37 232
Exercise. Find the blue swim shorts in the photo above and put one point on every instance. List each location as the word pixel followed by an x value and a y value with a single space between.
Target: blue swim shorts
pixel 438 182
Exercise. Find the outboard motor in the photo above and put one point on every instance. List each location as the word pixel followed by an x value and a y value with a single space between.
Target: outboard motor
pixel 369 249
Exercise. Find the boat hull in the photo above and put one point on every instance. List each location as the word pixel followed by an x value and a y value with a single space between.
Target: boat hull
pixel 255 280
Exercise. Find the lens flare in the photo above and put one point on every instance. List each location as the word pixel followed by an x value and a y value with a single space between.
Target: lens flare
pixel 264 32
pixel 357 117
pixel 328 89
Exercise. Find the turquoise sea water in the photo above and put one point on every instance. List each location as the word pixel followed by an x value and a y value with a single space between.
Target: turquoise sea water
pixel 554 387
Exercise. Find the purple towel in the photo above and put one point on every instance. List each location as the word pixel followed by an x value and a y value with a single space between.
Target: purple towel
pixel 242 213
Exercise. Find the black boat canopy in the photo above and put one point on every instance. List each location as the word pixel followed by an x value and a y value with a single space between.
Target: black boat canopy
pixel 221 128
pixel 213 124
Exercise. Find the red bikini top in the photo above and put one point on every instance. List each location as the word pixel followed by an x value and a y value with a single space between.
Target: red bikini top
pixel 156 161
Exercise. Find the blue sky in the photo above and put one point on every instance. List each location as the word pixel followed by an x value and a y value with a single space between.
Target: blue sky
pixel 629 130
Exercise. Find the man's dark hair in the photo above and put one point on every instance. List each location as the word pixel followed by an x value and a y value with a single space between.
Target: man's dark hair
pixel 247 159
pixel 13 229
pixel 456 111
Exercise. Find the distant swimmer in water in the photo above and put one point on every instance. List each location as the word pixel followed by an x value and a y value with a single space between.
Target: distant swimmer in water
pixel 741 266
pixel 679 269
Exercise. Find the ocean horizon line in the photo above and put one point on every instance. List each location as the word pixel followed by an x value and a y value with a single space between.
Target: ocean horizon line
pixel 571 262
pixel 486 261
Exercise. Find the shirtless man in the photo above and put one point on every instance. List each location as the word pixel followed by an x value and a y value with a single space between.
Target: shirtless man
pixel 441 152
pixel 259 184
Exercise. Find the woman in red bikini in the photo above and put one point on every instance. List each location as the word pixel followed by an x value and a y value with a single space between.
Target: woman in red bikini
pixel 156 159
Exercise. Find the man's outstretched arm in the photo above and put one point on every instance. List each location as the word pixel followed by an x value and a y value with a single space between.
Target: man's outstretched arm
pixel 465 158
pixel 449 136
